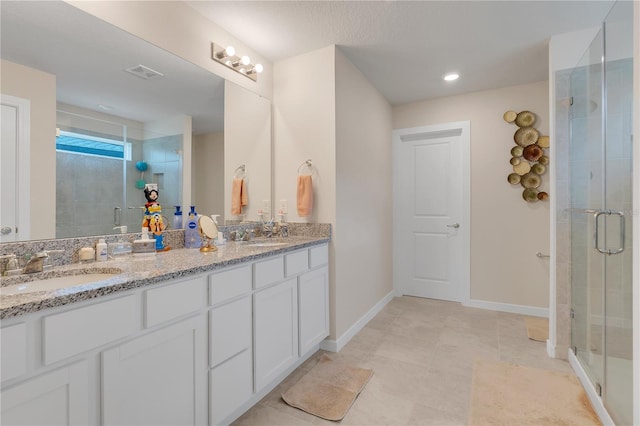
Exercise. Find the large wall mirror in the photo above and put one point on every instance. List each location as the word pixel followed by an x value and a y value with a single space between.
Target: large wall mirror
pixel 108 112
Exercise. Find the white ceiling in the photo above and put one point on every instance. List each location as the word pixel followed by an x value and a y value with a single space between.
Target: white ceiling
pixel 405 47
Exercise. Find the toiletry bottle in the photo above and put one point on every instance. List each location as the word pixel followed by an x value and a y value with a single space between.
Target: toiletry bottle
pixel 101 251
pixel 191 232
pixel 177 218
pixel 219 240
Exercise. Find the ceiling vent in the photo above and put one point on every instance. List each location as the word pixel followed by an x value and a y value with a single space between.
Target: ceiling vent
pixel 144 72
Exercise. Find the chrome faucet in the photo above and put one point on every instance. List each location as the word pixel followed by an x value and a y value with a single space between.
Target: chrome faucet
pixel 9 265
pixel 37 262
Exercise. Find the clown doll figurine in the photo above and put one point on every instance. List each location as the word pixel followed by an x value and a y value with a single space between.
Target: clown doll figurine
pixel 153 216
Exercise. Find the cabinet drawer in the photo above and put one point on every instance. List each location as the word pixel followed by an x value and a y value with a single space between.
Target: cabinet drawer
pixel 296 262
pixel 231 385
pixel 230 330
pixel 172 301
pixel 229 284
pixel 73 332
pixel 14 351
pixel 268 272
pixel 318 256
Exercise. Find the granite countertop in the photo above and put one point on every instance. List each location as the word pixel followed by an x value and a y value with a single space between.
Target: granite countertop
pixel 134 272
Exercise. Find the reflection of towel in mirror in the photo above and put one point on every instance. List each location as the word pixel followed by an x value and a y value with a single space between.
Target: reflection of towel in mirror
pixel 305 195
pixel 239 196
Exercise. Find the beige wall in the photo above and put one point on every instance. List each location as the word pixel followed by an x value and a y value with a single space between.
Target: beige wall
pixel 39 88
pixel 363 251
pixel 179 29
pixel 506 232
pixel 326 111
pixel 208 174
pixel 247 140
pixel 305 128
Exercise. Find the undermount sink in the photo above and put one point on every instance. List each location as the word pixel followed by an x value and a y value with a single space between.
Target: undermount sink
pixel 268 244
pixel 55 283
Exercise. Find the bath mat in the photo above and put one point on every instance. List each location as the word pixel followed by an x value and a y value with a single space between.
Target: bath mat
pixel 329 389
pixel 537 328
pixel 509 394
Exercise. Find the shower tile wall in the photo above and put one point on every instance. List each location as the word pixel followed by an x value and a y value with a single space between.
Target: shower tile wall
pixel 164 157
pixel 87 190
pixel 563 218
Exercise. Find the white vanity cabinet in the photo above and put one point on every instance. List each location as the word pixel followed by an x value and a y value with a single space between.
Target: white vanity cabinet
pixel 275 325
pixel 230 342
pixel 195 350
pixel 313 304
pixel 58 397
pixel 159 378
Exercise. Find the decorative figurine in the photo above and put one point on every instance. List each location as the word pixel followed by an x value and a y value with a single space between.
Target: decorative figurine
pixel 153 216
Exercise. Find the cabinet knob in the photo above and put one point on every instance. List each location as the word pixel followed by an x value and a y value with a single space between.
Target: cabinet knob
pixel 5 230
pixel 455 225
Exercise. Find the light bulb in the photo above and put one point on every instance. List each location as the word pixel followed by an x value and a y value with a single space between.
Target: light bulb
pixel 258 68
pixel 451 77
pixel 245 60
pixel 226 53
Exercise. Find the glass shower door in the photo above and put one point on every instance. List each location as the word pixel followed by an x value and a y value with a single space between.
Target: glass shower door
pixel 601 170
pixel 617 393
pixel 587 191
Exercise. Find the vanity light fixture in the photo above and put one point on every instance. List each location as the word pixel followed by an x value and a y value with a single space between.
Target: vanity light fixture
pixel 451 77
pixel 239 63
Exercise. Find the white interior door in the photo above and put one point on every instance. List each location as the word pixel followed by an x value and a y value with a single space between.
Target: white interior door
pixel 431 211
pixel 14 169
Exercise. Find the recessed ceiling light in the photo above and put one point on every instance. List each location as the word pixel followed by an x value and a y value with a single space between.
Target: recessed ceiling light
pixel 451 77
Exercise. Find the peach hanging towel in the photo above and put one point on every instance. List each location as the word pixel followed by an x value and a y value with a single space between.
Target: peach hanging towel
pixel 239 196
pixel 305 195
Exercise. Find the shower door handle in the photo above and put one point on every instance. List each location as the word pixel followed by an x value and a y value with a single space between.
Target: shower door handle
pixel 117 212
pixel 596 237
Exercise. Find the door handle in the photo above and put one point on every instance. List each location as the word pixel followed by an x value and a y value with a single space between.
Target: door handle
pixel 596 237
pixel 455 225
pixel 5 230
pixel 116 216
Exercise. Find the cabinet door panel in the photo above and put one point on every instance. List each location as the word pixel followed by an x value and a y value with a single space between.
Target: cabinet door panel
pixel 275 331
pixel 56 398
pixel 268 272
pixel 78 330
pixel 230 330
pixel 157 379
pixel 231 386
pixel 313 298
pixel 13 344
pixel 318 256
pixel 296 262
pixel 172 301
pixel 228 284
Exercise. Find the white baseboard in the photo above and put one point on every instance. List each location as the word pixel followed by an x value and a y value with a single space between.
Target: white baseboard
pixel 533 311
pixel 336 345
pixel 596 401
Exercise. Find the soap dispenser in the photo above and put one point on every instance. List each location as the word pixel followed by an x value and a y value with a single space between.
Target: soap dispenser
pixel 191 231
pixel 145 246
pixel 177 218
pixel 101 251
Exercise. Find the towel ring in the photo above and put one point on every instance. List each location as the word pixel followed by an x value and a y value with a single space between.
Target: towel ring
pixel 307 163
pixel 243 170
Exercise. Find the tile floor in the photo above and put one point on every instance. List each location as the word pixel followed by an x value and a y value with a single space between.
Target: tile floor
pixel 422 353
